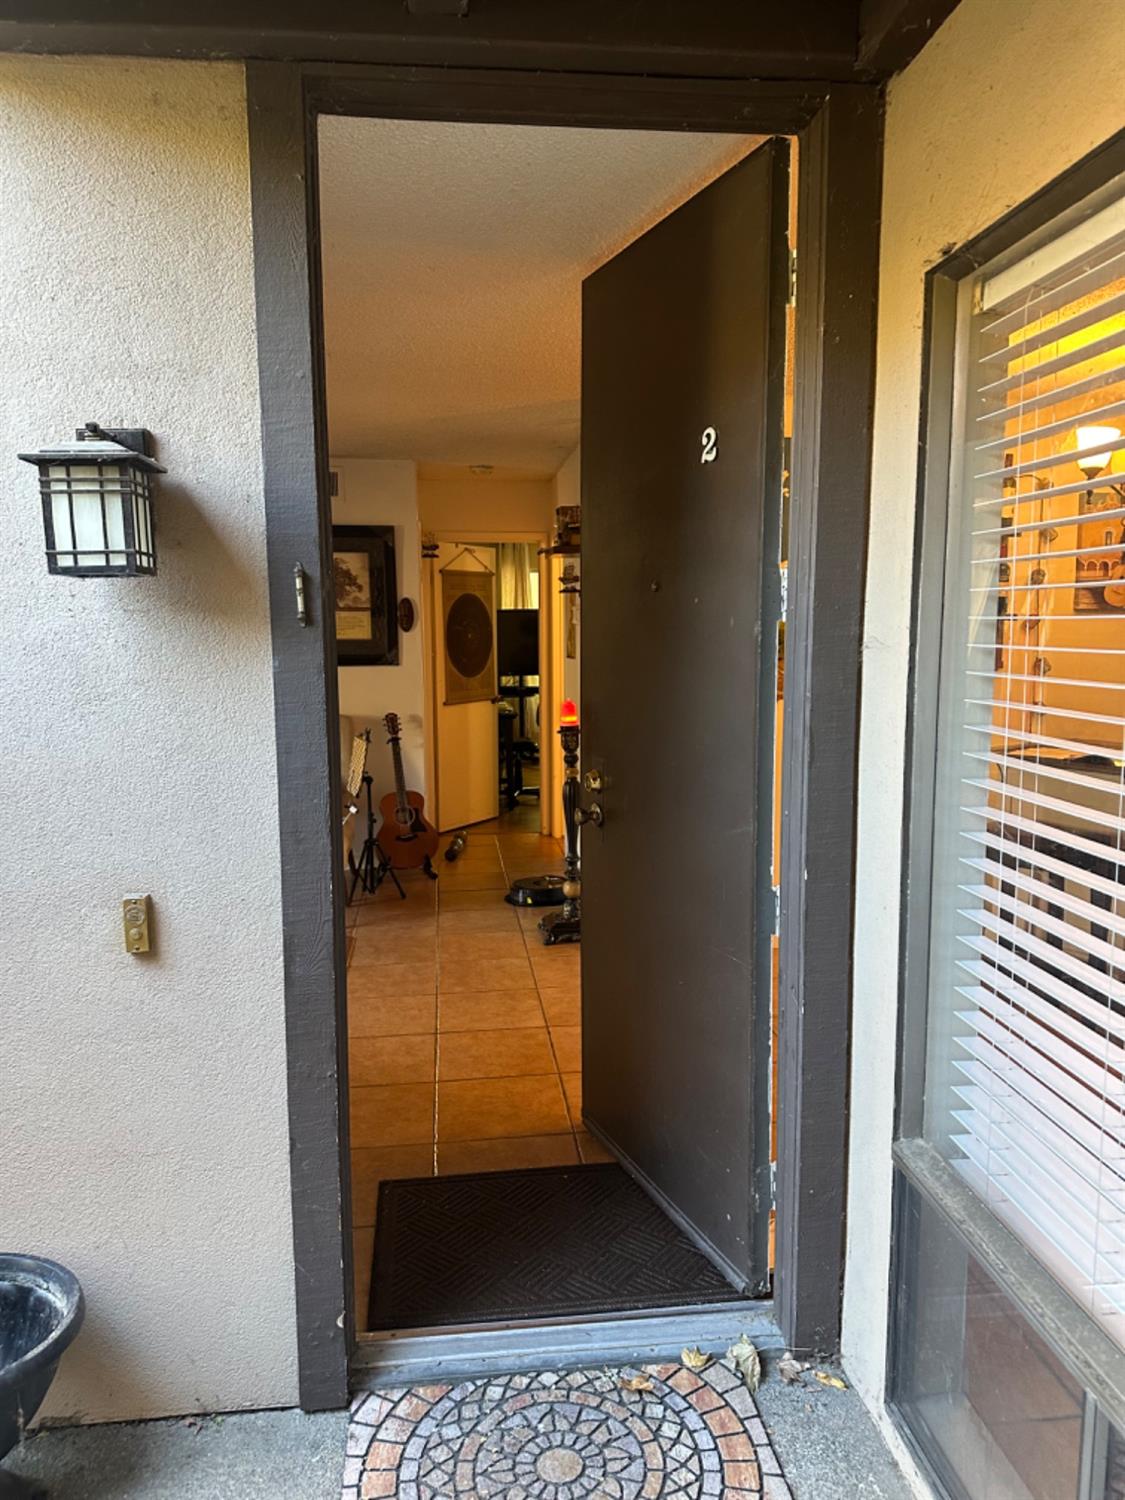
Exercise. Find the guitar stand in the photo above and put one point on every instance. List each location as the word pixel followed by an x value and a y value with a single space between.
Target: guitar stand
pixel 373 866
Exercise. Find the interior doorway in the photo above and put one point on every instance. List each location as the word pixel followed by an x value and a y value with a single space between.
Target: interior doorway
pixel 471 334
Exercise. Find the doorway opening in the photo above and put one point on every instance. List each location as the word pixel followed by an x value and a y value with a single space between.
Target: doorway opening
pixel 459 379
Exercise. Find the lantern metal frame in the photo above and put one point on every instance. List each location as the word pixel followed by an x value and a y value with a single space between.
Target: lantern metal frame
pixel 129 452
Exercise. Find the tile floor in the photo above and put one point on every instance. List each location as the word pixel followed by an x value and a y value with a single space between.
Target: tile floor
pixel 464 1032
pixel 565 1436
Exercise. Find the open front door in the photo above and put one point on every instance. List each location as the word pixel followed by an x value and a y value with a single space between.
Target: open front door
pixel 683 354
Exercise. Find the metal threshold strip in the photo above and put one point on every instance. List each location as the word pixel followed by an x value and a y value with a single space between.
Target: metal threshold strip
pixel 440 1355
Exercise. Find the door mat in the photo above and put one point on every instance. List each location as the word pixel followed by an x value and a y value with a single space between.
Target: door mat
pixel 545 1242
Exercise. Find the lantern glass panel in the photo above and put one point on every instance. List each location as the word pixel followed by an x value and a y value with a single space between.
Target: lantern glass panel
pixel 86 509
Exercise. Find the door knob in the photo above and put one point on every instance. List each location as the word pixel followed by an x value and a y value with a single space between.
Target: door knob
pixel 592 780
pixel 592 814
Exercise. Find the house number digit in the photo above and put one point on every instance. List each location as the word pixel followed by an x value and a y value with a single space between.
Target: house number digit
pixel 710 442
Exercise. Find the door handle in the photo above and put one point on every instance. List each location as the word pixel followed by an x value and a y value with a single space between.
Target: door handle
pixel 592 814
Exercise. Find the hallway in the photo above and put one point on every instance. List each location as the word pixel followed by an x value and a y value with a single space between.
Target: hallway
pixel 464 1032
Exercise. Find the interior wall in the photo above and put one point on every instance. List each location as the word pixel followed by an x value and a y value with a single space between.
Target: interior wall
pixel 143 1108
pixel 974 126
pixel 384 492
pixel 492 503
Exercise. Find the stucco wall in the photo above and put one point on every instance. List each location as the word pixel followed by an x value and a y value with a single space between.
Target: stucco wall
pixel 975 125
pixel 142 1108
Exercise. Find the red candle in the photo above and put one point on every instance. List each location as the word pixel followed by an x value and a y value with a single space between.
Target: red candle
pixel 568 716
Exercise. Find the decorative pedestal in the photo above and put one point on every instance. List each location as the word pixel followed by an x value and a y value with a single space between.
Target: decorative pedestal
pixel 564 925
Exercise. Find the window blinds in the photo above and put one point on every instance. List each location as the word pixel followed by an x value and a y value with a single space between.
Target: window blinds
pixel 1028 934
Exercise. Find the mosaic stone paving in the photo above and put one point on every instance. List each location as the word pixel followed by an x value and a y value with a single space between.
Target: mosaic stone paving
pixel 574 1435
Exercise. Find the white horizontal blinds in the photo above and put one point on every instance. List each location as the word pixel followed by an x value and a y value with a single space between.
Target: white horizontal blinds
pixel 1028 939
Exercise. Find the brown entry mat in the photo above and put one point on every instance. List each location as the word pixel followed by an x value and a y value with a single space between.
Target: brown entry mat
pixel 545 1242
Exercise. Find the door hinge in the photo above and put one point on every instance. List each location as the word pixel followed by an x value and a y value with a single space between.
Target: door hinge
pixel 784 593
pixel 792 299
pixel 777 910
pixel 773 1184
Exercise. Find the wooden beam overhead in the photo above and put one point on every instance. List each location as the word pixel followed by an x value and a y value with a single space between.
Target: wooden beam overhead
pixel 802 39
pixel 893 32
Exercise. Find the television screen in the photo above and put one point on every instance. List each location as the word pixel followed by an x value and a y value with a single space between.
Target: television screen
pixel 517 642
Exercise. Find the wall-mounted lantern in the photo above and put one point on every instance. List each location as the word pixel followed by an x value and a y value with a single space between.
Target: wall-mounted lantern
pixel 97 503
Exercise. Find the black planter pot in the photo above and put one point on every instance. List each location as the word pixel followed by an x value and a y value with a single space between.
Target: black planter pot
pixel 41 1311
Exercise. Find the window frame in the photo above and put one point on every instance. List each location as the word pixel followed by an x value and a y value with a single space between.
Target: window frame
pixel 1093 1357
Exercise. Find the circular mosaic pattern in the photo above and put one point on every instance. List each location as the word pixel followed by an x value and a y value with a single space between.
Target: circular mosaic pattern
pixel 577 1435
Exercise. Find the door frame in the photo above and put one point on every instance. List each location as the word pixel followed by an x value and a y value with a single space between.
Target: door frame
pixel 838 128
pixel 486 537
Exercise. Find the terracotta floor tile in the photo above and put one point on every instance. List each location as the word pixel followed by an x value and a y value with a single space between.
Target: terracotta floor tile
pixel 363 1253
pixel 494 1054
pixel 460 946
pixel 474 900
pixel 556 965
pixel 393 1114
pixel 389 1015
pixel 501 919
pixel 572 1084
pixel 507 1154
pixel 392 979
pixel 490 1107
pixel 567 1042
pixel 371 1165
pixel 489 1010
pixel 378 945
pixel 484 974
pixel 590 1148
pixel 391 1059
pixel 562 1005
pixel 468 879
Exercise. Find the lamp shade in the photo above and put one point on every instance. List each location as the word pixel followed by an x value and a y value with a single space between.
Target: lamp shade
pixel 1089 437
pixel 97 507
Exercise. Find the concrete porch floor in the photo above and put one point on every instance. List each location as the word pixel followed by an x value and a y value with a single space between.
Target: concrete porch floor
pixel 827 1445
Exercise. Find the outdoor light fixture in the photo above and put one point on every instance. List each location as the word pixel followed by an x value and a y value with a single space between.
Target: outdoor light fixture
pixel 97 503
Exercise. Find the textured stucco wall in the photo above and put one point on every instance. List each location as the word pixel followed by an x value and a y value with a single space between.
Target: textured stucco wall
pixel 142 1102
pixel 975 125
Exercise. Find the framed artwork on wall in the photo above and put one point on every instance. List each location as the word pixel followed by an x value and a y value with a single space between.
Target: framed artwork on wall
pixel 363 577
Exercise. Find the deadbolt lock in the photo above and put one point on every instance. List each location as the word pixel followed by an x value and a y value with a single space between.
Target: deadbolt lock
pixel 592 780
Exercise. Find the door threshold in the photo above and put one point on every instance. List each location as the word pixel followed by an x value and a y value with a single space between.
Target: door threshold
pixel 431 1356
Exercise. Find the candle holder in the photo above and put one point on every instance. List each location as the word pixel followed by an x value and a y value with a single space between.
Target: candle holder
pixel 565 924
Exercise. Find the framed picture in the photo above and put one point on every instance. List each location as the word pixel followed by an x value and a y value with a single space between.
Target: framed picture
pixel 363 576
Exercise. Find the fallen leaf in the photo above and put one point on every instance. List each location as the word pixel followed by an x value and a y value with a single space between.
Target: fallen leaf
pixel 747 1362
pixel 791 1369
pixel 636 1383
pixel 695 1359
pixel 833 1380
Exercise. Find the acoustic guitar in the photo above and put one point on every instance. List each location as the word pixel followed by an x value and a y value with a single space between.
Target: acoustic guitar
pixel 406 838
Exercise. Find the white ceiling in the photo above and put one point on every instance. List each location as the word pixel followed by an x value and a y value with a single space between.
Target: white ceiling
pixel 453 259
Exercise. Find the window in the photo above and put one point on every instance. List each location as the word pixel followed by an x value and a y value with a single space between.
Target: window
pixel 1010 1245
pixel 1025 1074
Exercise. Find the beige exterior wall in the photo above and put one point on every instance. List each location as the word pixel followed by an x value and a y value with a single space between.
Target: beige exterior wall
pixel 1007 95
pixel 142 1101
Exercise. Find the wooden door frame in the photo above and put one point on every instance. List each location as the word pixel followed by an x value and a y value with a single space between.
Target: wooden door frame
pixel 839 132
pixel 485 537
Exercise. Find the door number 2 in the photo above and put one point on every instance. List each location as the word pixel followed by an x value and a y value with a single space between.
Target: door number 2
pixel 710 446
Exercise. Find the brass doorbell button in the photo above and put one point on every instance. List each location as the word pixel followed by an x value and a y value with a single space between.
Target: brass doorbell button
pixel 135 911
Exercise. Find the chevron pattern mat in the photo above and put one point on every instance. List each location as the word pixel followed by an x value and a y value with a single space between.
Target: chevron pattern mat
pixel 540 1243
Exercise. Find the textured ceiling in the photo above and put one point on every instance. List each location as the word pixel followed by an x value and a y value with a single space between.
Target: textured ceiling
pixel 453 259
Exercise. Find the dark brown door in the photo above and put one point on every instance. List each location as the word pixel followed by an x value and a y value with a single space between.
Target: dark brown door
pixel 683 353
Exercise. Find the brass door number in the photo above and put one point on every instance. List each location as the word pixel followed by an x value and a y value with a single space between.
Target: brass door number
pixel 135 910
